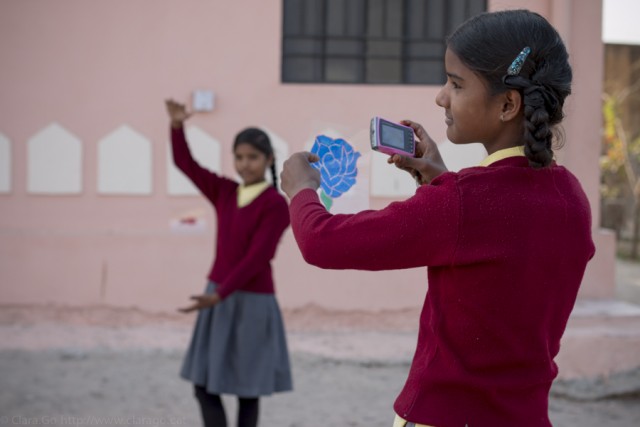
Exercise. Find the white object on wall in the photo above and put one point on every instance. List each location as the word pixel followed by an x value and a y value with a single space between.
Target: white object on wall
pixel 203 100
pixel 5 164
pixel 461 156
pixel 54 164
pixel 620 22
pixel 205 150
pixel 392 182
pixel 387 180
pixel 124 163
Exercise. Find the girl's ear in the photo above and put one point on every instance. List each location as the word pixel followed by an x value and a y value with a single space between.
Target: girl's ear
pixel 511 105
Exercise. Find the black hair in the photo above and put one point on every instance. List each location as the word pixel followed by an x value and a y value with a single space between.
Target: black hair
pixel 259 140
pixel 488 43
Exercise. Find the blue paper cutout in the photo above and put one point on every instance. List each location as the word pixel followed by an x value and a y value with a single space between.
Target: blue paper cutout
pixel 337 165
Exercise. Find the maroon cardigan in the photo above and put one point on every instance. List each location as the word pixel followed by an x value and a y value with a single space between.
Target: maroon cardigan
pixel 247 237
pixel 506 247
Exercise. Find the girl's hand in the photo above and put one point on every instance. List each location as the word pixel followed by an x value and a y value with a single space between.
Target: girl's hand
pixel 427 163
pixel 297 174
pixel 177 112
pixel 201 301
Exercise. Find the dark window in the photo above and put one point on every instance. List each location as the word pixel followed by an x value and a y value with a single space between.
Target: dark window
pixel 369 41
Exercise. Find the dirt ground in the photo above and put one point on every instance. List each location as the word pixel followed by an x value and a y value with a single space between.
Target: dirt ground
pixel 104 366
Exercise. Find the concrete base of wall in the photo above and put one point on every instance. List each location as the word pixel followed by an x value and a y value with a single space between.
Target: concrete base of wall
pixel 600 353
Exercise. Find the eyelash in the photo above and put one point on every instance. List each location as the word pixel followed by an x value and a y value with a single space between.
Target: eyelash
pixel 455 85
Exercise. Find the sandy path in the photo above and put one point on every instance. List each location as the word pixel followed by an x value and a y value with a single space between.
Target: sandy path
pixel 100 366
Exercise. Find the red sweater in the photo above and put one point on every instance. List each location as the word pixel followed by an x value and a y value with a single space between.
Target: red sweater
pixel 506 248
pixel 247 236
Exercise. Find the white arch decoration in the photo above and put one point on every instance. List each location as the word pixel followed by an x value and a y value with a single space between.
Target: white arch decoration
pixel 124 163
pixel 54 162
pixel 5 164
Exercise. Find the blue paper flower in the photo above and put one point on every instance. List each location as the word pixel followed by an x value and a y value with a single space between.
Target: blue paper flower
pixel 337 165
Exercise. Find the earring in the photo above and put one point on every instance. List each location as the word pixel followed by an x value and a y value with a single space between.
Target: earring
pixel 502 117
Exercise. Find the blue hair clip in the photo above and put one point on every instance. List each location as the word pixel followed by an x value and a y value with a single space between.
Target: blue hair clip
pixel 516 65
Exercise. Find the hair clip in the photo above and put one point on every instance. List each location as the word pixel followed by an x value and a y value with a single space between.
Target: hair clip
pixel 516 65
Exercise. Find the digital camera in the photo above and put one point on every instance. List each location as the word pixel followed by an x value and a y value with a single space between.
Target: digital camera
pixel 391 138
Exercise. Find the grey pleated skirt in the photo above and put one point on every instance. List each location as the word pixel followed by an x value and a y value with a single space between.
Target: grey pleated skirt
pixel 239 347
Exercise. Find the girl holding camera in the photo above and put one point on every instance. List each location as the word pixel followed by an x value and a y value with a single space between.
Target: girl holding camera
pixel 506 243
pixel 238 345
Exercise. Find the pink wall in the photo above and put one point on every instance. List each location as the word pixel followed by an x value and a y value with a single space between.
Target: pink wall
pixel 580 25
pixel 94 66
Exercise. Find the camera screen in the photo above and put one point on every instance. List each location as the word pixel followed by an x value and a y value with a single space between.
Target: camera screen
pixel 392 136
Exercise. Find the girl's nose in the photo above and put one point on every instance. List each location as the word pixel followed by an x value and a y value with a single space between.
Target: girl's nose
pixel 442 98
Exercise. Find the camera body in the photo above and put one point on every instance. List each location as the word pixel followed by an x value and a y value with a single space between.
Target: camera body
pixel 391 138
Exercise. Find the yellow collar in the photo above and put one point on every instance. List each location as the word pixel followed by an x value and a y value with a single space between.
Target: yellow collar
pixel 503 154
pixel 247 194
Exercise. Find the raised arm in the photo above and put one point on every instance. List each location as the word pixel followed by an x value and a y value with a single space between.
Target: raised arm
pixel 206 181
pixel 420 231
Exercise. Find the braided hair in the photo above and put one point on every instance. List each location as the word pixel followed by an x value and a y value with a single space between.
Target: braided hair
pixel 259 140
pixel 488 43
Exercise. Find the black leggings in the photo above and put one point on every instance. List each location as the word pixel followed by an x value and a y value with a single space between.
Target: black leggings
pixel 213 413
